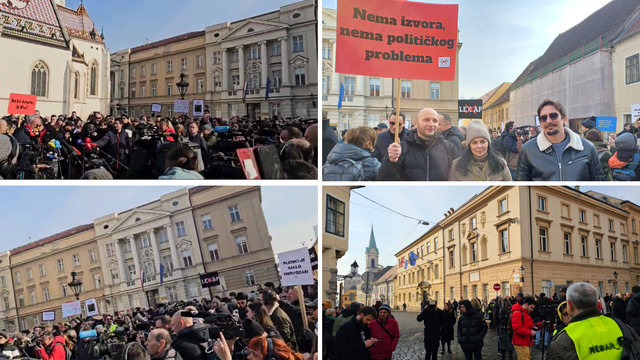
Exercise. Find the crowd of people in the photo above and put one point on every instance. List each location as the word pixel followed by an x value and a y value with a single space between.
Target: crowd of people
pixel 575 323
pixel 106 147
pixel 436 150
pixel 266 324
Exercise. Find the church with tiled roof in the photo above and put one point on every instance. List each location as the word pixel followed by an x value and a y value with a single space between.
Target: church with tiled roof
pixel 59 56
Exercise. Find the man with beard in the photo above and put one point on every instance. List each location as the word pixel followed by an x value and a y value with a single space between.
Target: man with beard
pixel 386 138
pixel 117 144
pixel 451 134
pixel 558 154
pixel 345 316
pixel 241 298
pixel 386 330
pixel 424 155
pixel 353 339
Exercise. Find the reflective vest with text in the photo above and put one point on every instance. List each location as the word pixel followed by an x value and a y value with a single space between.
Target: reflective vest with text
pixel 596 338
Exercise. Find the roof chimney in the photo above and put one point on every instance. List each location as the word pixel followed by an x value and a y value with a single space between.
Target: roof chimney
pixel 577 187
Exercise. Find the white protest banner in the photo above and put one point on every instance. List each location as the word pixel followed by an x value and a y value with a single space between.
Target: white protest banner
pixel 91 307
pixel 181 106
pixel 635 112
pixel 49 316
pixel 156 108
pixel 198 107
pixel 295 267
pixel 71 308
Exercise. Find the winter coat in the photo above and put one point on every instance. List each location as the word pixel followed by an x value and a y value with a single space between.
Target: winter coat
pixel 384 140
pixel 538 161
pixel 489 174
pixel 604 154
pixel 329 139
pixel 176 173
pixel 57 350
pixel 446 328
pixel 455 137
pixel 471 330
pixel 521 328
pixel 384 349
pixel 511 145
pixel 348 162
pixel 432 324
pixel 633 312
pixel 168 354
pixel 619 308
pixel 284 326
pixel 420 160
pixel 191 342
pixel 505 340
pixel 348 343
pixel 198 139
pixel 341 319
pixel 9 350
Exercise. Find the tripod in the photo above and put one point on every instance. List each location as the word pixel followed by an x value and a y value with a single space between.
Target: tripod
pixel 546 329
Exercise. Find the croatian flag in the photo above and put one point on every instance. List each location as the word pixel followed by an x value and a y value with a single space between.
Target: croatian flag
pixel 142 279
pixel 245 90
pixel 266 94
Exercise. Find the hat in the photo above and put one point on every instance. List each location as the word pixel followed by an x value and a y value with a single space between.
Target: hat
pixel 252 328
pixel 207 127
pixel 520 294
pixel 97 174
pixel 5 147
pixel 385 307
pixel 625 142
pixel 589 123
pixel 467 304
pixel 381 126
pixel 476 129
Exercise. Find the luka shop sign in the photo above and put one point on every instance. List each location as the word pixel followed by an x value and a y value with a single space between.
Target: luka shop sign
pixel 470 109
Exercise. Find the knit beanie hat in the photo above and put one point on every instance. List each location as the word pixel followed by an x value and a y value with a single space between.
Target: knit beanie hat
pixel 385 307
pixel 589 123
pixel 5 147
pixel 467 304
pixel 476 129
pixel 626 146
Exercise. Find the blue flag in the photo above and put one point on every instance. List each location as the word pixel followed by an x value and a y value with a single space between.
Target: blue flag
pixel 266 96
pixel 341 96
pixel 412 258
pixel 161 274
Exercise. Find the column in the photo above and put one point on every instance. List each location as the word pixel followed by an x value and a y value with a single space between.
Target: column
pixel 335 77
pixel 136 258
pixel 225 70
pixel 156 251
pixel 174 251
pixel 284 50
pixel 265 63
pixel 123 273
pixel 359 85
pixel 241 69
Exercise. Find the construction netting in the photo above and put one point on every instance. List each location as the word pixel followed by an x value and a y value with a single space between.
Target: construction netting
pixel 582 81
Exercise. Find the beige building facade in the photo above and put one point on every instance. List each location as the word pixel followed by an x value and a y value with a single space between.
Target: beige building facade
pixel 8 308
pixel 369 101
pixel 234 239
pixel 625 55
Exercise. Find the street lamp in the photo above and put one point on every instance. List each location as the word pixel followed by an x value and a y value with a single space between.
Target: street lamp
pixel 75 285
pixel 183 85
pixel 615 277
pixel 521 274
pixel 354 267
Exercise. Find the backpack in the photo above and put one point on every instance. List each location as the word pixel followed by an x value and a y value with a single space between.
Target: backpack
pixel 630 347
pixel 355 168
pixel 67 353
pixel 627 172
pixel 511 325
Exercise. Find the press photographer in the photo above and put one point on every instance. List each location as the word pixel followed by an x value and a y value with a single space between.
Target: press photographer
pixel 51 348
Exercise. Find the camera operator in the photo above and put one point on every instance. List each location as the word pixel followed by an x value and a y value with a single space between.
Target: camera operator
pixel 116 143
pixel 6 348
pixel 163 322
pixel 279 317
pixel 542 301
pixel 191 340
pixel 524 330
pixel 159 345
pixel 432 317
pixel 51 348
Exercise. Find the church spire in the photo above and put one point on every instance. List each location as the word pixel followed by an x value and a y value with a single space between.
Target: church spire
pixel 372 242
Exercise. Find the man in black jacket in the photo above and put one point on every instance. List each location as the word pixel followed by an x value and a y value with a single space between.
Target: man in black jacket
pixel 191 339
pixel 117 144
pixel 388 137
pixel 633 309
pixel 424 155
pixel 472 329
pixel 432 317
pixel 353 339
pixel 195 137
pixel 329 139
pixel 451 134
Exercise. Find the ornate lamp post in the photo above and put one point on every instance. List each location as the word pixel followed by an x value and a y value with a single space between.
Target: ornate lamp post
pixel 75 285
pixel 183 85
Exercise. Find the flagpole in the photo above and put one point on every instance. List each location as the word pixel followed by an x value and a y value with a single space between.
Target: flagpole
pixel 398 90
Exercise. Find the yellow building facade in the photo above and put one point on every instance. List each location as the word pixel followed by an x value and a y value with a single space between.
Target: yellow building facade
pixel 625 59
pixel 497 113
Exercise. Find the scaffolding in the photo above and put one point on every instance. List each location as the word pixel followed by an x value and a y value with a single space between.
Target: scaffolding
pixel 582 81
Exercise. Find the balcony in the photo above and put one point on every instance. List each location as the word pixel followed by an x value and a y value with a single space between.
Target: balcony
pixel 274 90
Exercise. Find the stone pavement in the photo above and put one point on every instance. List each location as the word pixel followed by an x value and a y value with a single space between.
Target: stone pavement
pixel 411 344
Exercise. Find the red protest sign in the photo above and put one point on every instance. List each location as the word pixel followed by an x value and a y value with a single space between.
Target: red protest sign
pixel 22 104
pixel 397 39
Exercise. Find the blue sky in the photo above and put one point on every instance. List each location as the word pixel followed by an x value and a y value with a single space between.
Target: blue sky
pixel 130 23
pixel 41 211
pixel 501 37
pixel 393 232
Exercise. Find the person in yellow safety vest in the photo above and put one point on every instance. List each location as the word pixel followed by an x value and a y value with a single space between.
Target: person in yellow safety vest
pixel 564 316
pixel 589 335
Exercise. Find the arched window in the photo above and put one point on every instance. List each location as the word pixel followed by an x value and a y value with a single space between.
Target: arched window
pixel 39 78
pixel 76 86
pixel 94 80
pixel 483 247
pixel 373 263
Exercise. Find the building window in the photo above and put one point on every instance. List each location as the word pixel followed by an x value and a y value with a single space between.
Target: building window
pixel 598 249
pixel 16 277
pixel 610 225
pixel 235 55
pixel 300 75
pixel 474 256
pixel 65 290
pixel 121 92
pixel 583 216
pixel 206 222
pixel 183 64
pixel 133 92
pixel 543 239
pixel 437 271
pixel 154 90
pixel 76 260
pixel 145 241
pixel 326 85
pixel 194 290
pixel 235 80
pixel 583 245
pixel 121 74
pixel 335 216
pixel 97 283
pixel 241 244
pixel 217 58
pixel 254 52
pixel 473 223
pixel 153 69
pixel 567 243
pixel 326 50
pixel 542 204
pixel 217 83
pixel 170 111
pixel 39 77
pixel 182 231
pixel 249 278
pixel 277 78
pixel 199 61
pixel 504 240
pixel 132 271
pixel 29 274
pixel 46 295
pixel 114 277
pixel 374 87
pixel 92 256
pixel 133 73
pixel 143 91
pixel 298 43
pixel 186 258
pixel 127 246
pixel 435 91
pixel 633 225
pixel 624 253
pixel 169 89
pixel 275 109
pixel 254 81
pixel 451 263
pixel 60 265
pixel 435 243
pixel 450 234
pixel 613 250
pixel 3 282
pixel 349 87
pixel 213 252
pixel 275 49
pixel 234 213
pixel 168 262
pixel 170 66
pixel 633 69
pixel 43 272
pixel 428 248
pixel 76 86
pixel 199 86
pixel 93 89
pixel 406 89
pixel 32 295
pixel 172 293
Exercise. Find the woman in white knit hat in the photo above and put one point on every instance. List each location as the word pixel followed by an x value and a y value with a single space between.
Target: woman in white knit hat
pixel 478 161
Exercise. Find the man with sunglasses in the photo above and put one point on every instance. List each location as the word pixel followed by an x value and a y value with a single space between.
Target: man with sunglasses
pixel 558 154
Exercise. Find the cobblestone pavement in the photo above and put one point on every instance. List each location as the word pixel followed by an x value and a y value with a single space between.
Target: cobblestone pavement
pixel 411 344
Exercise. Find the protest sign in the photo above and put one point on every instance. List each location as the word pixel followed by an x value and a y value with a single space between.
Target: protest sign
pixel 295 267
pixel 470 109
pixel 209 279
pixel 71 308
pixel 397 39
pixel 22 104
pixel 156 108
pixel 635 112
pixel 48 316
pixel 313 257
pixel 606 123
pixel 198 107
pixel 91 307
pixel 181 106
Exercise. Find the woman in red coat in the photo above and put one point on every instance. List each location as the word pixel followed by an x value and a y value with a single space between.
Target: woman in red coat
pixel 386 330
pixel 523 333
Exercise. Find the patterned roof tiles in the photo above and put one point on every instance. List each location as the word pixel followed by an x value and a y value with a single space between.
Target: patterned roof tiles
pixel 77 22
pixel 38 10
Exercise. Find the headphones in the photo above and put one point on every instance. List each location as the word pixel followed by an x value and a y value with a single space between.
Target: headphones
pixel 13 156
pixel 270 355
